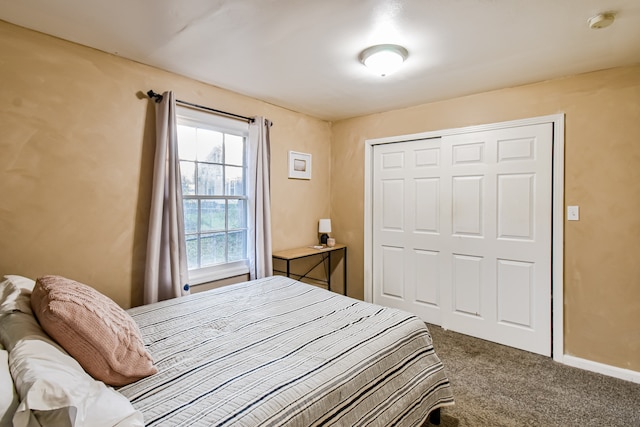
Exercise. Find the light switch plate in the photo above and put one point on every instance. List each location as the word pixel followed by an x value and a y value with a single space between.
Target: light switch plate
pixel 573 213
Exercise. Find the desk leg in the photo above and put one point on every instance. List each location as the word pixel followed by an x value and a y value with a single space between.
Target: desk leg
pixel 344 283
pixel 329 271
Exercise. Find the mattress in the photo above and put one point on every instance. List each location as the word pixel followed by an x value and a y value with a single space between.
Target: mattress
pixel 278 352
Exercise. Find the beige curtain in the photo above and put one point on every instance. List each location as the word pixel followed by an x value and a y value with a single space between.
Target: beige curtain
pixel 166 273
pixel 260 263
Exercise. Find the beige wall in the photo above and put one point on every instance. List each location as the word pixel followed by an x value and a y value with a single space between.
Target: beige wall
pixel 76 147
pixel 602 173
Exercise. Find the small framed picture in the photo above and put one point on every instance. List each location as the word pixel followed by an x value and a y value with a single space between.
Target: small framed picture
pixel 299 165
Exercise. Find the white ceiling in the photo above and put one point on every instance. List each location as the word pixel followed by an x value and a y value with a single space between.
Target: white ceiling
pixel 303 55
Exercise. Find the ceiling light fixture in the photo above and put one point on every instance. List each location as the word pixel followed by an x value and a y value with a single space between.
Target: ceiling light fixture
pixel 384 59
pixel 601 20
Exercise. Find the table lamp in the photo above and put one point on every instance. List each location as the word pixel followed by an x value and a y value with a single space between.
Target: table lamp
pixel 324 227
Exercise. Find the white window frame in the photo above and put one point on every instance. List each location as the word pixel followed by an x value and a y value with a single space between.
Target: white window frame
pixel 194 117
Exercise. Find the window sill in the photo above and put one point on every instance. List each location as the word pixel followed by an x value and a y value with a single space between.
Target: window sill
pixel 211 274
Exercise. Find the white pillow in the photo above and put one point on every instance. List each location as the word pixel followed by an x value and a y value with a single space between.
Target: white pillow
pixel 53 387
pixel 15 294
pixel 8 396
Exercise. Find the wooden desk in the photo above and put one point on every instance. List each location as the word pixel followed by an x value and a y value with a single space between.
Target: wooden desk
pixel 289 255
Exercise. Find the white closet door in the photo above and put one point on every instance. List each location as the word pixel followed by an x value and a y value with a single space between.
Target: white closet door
pixel 462 233
pixel 407 267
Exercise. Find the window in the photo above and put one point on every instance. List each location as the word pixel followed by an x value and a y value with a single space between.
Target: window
pixel 212 151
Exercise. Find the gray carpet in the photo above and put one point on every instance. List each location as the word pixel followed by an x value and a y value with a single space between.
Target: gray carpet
pixel 494 385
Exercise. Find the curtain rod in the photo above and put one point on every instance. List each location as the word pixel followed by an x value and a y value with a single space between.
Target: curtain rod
pixel 157 98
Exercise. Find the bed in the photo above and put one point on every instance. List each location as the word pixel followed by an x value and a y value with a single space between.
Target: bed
pixel 278 352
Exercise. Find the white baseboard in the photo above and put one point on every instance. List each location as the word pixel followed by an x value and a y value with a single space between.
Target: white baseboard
pixel 601 368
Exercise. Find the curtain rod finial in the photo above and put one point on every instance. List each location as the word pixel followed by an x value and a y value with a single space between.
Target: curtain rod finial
pixel 155 96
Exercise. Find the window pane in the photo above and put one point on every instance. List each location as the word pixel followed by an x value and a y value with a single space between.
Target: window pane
pixel 234 150
pixel 190 216
pixel 186 142
pixel 236 214
pixel 210 180
pixel 212 165
pixel 212 215
pixel 188 172
pixel 209 146
pixel 212 249
pixel 237 246
pixel 234 182
pixel 192 251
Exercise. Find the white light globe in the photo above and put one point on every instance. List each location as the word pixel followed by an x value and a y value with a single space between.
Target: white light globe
pixel 384 59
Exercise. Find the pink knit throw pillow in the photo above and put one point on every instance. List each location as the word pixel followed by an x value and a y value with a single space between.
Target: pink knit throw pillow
pixel 93 329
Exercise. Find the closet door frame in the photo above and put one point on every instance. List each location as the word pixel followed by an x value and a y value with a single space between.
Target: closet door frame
pixel 557 251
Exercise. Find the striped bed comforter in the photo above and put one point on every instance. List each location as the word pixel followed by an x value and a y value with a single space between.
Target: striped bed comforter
pixel 277 352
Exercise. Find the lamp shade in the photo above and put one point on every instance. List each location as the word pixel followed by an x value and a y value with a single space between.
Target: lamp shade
pixel 324 226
